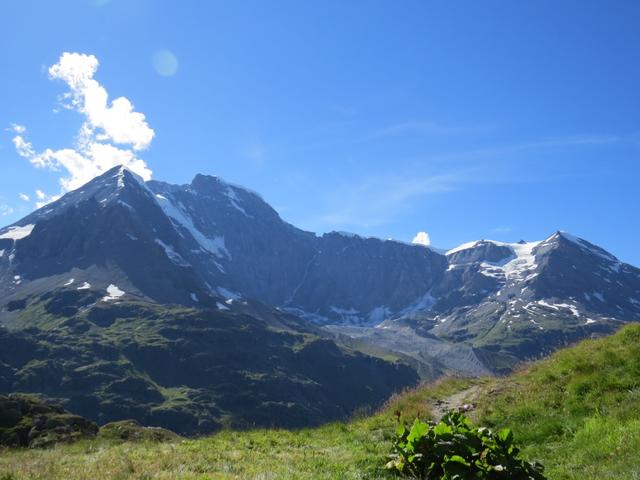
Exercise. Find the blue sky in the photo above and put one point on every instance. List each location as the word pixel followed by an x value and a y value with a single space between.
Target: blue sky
pixel 467 120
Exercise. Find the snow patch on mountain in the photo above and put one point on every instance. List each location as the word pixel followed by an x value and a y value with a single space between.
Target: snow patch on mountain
pixel 560 306
pixel 174 256
pixel 120 177
pixel 221 306
pixel 234 200
pixel 518 267
pixel 549 305
pixel 228 294
pixel 492 270
pixel 464 246
pixel 113 293
pixel 181 219
pixel 17 233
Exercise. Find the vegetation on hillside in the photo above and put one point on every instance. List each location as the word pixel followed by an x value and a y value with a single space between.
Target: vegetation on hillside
pixel 193 371
pixel 577 412
pixel 453 449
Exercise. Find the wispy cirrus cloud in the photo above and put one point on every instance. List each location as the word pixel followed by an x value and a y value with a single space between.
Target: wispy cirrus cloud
pixel 546 143
pixel 44 199
pixel 256 153
pixel 427 127
pixel 378 199
pixel 111 134
pixel 501 230
pixel 344 110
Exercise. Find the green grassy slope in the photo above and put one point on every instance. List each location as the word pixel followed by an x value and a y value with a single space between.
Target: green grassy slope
pixel 578 412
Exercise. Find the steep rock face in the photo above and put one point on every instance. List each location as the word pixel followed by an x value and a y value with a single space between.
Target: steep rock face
pixel 257 253
pixel 352 279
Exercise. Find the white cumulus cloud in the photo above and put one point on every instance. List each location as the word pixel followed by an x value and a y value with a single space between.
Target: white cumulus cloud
pixel 47 200
pixel 24 197
pixel 422 238
pixel 112 132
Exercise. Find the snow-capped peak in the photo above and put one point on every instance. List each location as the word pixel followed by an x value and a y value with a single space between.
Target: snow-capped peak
pixel 464 246
pixel 122 172
pixel 469 245
pixel 516 267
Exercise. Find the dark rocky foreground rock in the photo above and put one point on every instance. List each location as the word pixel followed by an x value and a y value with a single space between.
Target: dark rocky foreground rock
pixel 27 421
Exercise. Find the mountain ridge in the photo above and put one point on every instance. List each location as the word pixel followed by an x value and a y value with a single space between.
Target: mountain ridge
pixel 209 243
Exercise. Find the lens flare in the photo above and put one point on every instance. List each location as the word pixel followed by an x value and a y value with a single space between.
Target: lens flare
pixel 165 63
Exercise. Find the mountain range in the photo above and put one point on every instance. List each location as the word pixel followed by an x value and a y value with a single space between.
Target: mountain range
pixel 207 305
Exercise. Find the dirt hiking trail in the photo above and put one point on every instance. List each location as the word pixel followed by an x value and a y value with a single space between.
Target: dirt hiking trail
pixel 462 401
